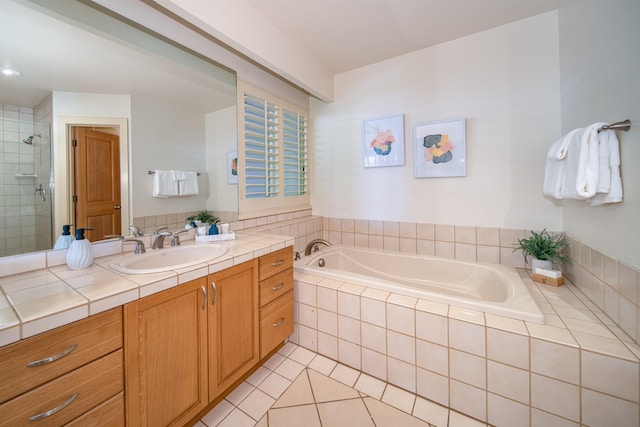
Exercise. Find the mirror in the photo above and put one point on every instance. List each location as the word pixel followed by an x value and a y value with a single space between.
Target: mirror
pixel 170 108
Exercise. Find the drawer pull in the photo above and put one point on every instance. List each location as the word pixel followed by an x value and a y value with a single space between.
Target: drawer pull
pixel 204 300
pixel 58 408
pixel 278 323
pixel 278 287
pixel 52 358
pixel 277 263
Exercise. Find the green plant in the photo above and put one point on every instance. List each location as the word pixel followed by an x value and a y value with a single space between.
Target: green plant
pixel 204 216
pixel 544 247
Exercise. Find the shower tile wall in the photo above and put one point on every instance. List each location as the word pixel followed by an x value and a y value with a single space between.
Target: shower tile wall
pixel 43 117
pixel 17 202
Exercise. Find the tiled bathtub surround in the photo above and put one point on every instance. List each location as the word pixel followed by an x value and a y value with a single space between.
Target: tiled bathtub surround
pixel 573 370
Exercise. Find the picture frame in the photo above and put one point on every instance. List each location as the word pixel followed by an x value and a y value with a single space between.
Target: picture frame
pixel 383 141
pixel 440 149
pixel 232 167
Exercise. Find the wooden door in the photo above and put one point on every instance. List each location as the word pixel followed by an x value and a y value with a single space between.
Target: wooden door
pixel 233 325
pixel 97 182
pixel 166 356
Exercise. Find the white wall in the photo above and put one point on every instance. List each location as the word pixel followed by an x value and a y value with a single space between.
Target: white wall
pixel 600 69
pixel 165 136
pixel 504 81
pixel 222 138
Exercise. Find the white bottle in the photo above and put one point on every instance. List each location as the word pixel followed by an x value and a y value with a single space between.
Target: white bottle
pixel 64 240
pixel 80 253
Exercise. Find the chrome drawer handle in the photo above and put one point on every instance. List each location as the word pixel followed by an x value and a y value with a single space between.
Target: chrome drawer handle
pixel 215 293
pixel 278 323
pixel 56 409
pixel 52 358
pixel 277 288
pixel 204 300
pixel 277 263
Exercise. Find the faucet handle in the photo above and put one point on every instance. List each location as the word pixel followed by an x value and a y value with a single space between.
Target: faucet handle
pixel 139 245
pixel 136 231
pixel 175 240
pixel 159 230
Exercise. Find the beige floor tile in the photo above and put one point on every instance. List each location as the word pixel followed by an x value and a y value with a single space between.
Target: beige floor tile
pixel 456 419
pixel 345 413
pixel 302 356
pixel 326 389
pixel 399 398
pixel 298 393
pixel 370 386
pixel 430 412
pixel 240 393
pixel 387 416
pixel 237 418
pixel 295 416
pixel 264 422
pixel 256 404
pixel 322 364
pixel 274 385
pixel 345 375
pixel 289 369
pixel 217 414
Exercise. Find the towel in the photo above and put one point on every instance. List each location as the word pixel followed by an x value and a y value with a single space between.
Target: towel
pixel 187 182
pixel 164 185
pixel 610 183
pixel 584 165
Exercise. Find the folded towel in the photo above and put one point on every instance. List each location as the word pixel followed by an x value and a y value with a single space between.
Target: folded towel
pixel 610 184
pixel 189 185
pixel 554 173
pixel 164 185
pixel 587 169
pixel 179 175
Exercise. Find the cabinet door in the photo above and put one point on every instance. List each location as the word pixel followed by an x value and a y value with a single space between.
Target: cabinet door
pixel 165 356
pixel 233 325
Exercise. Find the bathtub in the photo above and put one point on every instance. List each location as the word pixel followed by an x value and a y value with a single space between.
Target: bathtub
pixel 490 288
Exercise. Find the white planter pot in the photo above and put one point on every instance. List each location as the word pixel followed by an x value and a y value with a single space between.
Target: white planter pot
pixel 540 263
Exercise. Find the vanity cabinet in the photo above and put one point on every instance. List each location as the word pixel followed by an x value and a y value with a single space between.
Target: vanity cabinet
pixel 65 375
pixel 276 299
pixel 166 356
pixel 233 325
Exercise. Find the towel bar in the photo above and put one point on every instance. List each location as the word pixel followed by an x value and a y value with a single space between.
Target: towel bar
pixel 152 172
pixel 624 125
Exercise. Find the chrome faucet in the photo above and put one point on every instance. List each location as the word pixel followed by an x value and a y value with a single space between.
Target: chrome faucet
pixel 175 240
pixel 158 238
pixel 139 245
pixel 136 231
pixel 314 245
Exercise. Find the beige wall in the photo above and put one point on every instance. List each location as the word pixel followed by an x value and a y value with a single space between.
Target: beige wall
pixel 599 69
pixel 504 81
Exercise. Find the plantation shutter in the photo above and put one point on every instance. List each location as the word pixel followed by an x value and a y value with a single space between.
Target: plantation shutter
pixel 294 129
pixel 273 150
pixel 260 147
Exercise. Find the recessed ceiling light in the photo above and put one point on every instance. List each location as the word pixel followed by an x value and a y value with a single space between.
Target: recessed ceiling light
pixel 9 71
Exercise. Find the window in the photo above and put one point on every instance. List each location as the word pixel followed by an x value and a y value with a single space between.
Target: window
pixel 272 154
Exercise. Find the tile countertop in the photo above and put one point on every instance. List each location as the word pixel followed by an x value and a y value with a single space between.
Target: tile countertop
pixel 33 302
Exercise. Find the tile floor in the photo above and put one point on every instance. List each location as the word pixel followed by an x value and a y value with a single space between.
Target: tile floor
pixel 297 387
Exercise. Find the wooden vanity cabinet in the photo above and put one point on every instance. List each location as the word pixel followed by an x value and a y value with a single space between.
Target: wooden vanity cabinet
pixel 64 375
pixel 233 325
pixel 276 299
pixel 166 356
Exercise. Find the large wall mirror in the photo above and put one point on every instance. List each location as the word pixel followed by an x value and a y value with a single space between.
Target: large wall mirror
pixel 87 75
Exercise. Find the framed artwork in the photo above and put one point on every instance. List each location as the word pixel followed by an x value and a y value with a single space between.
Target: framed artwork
pixel 232 167
pixel 440 149
pixel 384 142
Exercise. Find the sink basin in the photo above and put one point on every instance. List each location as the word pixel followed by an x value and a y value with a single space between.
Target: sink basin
pixel 168 259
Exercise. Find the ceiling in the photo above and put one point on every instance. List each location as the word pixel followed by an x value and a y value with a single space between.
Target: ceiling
pixel 347 34
pixel 58 54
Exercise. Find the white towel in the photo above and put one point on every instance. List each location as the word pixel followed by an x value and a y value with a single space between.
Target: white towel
pixel 554 173
pixel 188 186
pixel 610 182
pixel 164 185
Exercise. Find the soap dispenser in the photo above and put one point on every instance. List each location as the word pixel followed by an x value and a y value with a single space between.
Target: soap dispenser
pixel 65 239
pixel 80 253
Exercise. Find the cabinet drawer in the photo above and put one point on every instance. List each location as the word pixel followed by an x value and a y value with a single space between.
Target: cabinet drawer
pixel 107 414
pixel 275 286
pixel 57 352
pixel 276 322
pixel 275 262
pixel 91 385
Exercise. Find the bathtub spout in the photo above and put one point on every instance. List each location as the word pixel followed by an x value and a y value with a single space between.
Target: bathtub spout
pixel 314 244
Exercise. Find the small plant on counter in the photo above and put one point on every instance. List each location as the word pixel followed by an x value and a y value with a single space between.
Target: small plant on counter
pixel 205 217
pixel 545 247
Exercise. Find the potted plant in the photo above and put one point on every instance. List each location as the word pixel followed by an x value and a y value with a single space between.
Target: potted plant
pixel 203 218
pixel 546 251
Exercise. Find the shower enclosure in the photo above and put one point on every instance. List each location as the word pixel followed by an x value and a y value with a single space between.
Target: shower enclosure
pixel 25 179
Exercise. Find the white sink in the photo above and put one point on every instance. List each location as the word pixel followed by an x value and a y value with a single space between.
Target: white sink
pixel 157 261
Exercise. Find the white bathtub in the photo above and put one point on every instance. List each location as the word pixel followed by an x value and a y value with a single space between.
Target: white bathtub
pixel 490 288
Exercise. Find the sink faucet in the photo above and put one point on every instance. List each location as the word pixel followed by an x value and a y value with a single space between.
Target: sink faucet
pixel 158 238
pixel 139 245
pixel 136 231
pixel 175 240
pixel 314 245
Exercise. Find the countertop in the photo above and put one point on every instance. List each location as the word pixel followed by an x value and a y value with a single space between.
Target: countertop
pixel 52 295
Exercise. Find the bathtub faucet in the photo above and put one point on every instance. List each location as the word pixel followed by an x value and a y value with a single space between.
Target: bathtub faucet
pixel 313 245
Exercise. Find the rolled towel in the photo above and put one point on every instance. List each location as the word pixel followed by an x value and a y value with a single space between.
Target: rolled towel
pixel 610 184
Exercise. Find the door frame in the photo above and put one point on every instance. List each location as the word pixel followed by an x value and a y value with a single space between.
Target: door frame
pixel 63 173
